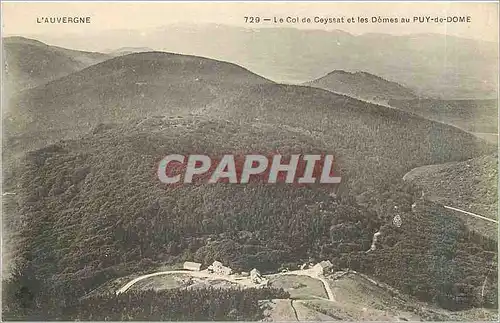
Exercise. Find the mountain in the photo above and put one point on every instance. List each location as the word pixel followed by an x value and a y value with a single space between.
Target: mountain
pixel 129 50
pixel 363 86
pixel 29 62
pixel 128 86
pixel 433 65
pixel 89 209
pixel 371 141
pixel 477 116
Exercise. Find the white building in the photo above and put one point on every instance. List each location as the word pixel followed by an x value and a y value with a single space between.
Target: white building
pixel 255 276
pixel 218 268
pixel 193 266
pixel 323 267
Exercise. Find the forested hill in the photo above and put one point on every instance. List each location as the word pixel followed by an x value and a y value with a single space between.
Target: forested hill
pixel 91 209
pixel 370 141
pixel 471 185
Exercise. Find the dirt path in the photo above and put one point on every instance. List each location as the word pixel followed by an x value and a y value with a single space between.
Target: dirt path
pixel 294 310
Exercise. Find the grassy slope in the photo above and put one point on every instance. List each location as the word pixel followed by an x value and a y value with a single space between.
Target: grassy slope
pixel 125 87
pixel 360 299
pixel 299 287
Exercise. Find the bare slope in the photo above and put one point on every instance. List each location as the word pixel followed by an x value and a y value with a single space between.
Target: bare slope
pixel 359 298
pixel 362 85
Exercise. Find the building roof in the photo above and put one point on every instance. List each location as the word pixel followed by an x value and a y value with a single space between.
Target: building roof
pixel 190 264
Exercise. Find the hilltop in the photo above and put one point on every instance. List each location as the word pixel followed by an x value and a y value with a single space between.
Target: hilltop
pixel 129 86
pixel 129 50
pixel 362 85
pixel 477 116
pixel 29 62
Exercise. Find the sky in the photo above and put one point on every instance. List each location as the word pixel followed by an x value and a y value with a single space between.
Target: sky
pixel 20 18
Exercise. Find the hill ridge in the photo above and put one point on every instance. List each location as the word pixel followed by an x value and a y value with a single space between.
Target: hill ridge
pixel 36 42
pixel 30 62
pixel 362 85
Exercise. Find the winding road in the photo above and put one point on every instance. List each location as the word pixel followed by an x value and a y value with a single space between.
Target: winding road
pixel 197 274
pixel 470 213
pixel 245 281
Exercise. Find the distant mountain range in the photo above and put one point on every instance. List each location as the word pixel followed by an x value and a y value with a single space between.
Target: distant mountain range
pixel 136 83
pixel 431 64
pixel 30 63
